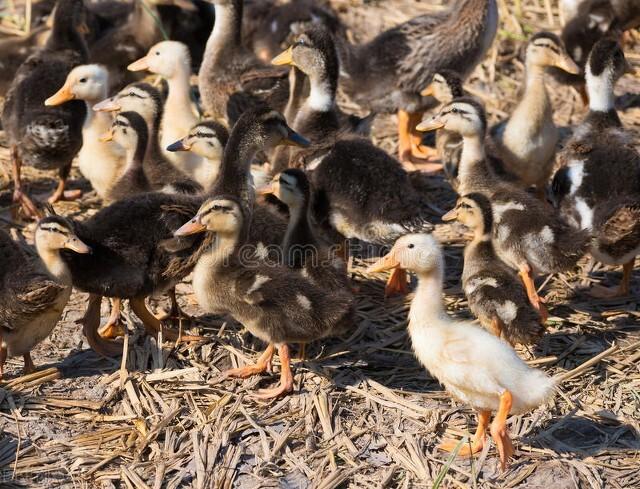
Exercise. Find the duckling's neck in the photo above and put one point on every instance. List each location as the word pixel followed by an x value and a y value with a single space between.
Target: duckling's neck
pixel 322 95
pixel 179 96
pixel 226 33
pixel 473 154
pixel 298 234
pixel 600 90
pixel 54 264
pixel 222 250
pixel 297 80
pixel 426 307
pixel 234 176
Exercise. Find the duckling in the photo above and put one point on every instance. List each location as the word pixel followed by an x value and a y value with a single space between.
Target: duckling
pixel 319 116
pixel 146 101
pixel 526 235
pixel 47 137
pixel 388 73
pixel 207 140
pixel 364 193
pixel 301 247
pixel 281 22
pixel 526 142
pixel 445 86
pixel 129 131
pixel 275 303
pixel 231 79
pixel 597 188
pixel 171 60
pixel 126 42
pixel 32 300
pixel 472 364
pixel 134 251
pixel 100 163
pixel 494 292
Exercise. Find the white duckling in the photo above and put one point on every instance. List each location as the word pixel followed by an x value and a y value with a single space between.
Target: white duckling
pixel 473 365
pixel 100 163
pixel 172 61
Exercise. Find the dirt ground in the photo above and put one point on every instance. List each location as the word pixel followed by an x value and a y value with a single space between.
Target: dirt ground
pixel 364 413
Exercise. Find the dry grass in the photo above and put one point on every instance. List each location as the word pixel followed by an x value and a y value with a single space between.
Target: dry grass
pixel 364 414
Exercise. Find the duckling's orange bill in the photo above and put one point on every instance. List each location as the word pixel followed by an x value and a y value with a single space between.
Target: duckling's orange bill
pixel 284 58
pixel 194 226
pixel 268 189
pixel 107 105
pixel 106 137
pixel 139 65
pixel 427 92
pixel 565 63
pixel 387 262
pixel 74 244
pixel 430 125
pixel 452 215
pixel 61 96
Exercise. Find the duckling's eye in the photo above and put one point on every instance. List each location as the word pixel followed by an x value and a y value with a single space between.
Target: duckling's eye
pixel 157 53
pixel 411 245
pixel 83 80
pixel 300 42
pixel 454 111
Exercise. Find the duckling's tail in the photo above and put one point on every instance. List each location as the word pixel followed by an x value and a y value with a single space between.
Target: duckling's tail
pixel 570 245
pixel 525 328
pixel 535 388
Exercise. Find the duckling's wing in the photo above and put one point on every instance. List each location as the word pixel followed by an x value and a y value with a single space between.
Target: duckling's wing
pixel 623 226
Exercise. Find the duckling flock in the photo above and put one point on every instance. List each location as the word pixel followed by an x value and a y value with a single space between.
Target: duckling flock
pixel 258 186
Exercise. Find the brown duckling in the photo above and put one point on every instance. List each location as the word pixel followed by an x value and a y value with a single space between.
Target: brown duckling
pixel 598 187
pixel 495 294
pixel 527 141
pixel 275 303
pixel 231 78
pixel 32 300
pixel 388 73
pixel 47 137
pixel 527 235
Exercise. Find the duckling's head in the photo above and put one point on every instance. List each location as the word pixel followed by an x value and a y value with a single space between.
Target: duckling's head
pixel 206 139
pixel 137 97
pixel 474 211
pixel 126 130
pixel 464 115
pixel 445 86
pixel 314 53
pixel 55 233
pixel 605 66
pixel 263 129
pixel 545 49
pixel 84 82
pixel 167 59
pixel 420 253
pixel 221 215
pixel 291 187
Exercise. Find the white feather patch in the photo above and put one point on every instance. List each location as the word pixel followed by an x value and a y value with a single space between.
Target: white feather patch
pixel 304 301
pixel 259 282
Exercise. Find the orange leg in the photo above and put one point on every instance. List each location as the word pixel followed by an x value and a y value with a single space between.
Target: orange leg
pixel 409 143
pixel 499 430
pixel 152 324
pixel 496 327
pixel 477 444
pixel 396 283
pixel 622 290
pixel 536 301
pixel 262 365
pixel 113 328
pixel 29 367
pixel 28 206
pixel 59 193
pixel 90 324
pixel 286 377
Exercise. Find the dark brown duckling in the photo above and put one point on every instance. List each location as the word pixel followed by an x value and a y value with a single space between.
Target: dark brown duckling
pixel 495 294
pixel 387 73
pixel 231 79
pixel 40 136
pixel 32 300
